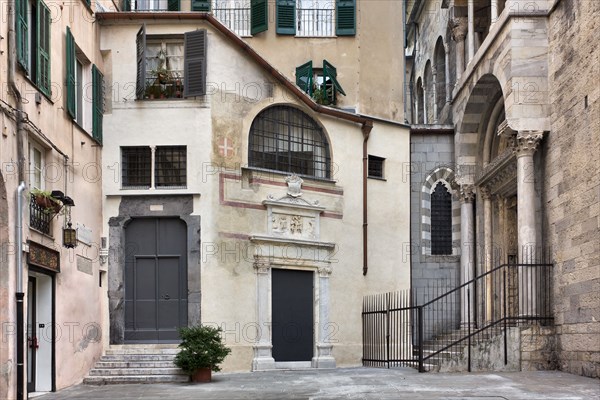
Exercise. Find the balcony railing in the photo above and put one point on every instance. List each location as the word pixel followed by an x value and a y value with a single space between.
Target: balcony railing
pixel 236 19
pixel 40 217
pixel 315 22
pixel 148 5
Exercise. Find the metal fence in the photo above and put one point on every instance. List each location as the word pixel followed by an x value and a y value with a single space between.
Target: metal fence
pixel 236 19
pixel 399 332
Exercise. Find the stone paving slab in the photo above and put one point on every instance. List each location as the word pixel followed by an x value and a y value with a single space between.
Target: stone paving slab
pixel 353 383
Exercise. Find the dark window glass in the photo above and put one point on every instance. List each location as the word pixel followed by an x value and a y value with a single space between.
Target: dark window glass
pixel 376 167
pixel 136 167
pixel 170 166
pixel 441 221
pixel 286 139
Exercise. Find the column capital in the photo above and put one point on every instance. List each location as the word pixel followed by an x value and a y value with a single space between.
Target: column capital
pixel 467 193
pixel 433 70
pixel 458 26
pixel 486 193
pixel 526 142
pixel 325 272
pixel 262 265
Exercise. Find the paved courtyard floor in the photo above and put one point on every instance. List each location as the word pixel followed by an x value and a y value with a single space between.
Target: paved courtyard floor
pixel 353 383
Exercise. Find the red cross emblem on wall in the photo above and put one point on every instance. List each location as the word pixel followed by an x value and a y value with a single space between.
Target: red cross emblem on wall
pixel 225 147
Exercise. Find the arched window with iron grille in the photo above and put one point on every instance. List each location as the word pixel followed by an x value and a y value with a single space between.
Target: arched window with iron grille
pixel 441 220
pixel 285 139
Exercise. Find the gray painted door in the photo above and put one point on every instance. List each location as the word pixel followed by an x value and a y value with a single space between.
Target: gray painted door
pixel 292 315
pixel 155 280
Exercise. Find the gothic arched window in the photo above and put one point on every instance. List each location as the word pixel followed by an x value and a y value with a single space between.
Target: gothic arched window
pixel 441 221
pixel 286 139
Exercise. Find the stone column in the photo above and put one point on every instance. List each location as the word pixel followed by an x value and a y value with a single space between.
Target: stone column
pixel 434 93
pixel 489 251
pixel 324 358
pixel 263 356
pixel 494 10
pixel 471 29
pixel 447 70
pixel 458 27
pixel 467 250
pixel 417 108
pixel 525 146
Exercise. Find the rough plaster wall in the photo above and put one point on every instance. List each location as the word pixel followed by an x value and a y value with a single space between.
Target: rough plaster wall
pixel 572 191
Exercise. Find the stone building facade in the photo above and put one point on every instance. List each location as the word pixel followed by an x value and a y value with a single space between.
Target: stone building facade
pixel 523 103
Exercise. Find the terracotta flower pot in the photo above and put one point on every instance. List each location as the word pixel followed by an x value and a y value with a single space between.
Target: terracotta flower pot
pixel 203 375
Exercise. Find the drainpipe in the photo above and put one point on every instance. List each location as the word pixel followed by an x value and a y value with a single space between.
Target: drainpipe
pixel 366 130
pixel 19 292
pixel 12 56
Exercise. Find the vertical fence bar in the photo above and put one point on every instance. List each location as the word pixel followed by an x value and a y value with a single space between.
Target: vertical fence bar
pixel 504 312
pixel 469 327
pixel 387 331
pixel 420 319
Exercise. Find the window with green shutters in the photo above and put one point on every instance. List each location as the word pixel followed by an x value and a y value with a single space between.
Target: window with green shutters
pixel 174 5
pixel 304 77
pixel 259 16
pixel 345 17
pixel 201 5
pixel 321 84
pixel 33 29
pixel 286 17
pixel 97 103
pixel 70 81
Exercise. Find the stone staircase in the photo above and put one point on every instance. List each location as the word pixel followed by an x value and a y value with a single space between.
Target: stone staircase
pixel 147 363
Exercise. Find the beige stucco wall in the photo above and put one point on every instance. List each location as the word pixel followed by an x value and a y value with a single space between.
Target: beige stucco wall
pixel 78 295
pixel 228 279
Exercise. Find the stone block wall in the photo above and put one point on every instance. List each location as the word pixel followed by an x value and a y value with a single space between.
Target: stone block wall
pixel 538 348
pixel 571 184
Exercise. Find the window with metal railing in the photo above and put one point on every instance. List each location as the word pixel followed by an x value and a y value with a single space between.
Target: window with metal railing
pixel 170 166
pixel 235 14
pixel 40 216
pixel 315 18
pixel 162 167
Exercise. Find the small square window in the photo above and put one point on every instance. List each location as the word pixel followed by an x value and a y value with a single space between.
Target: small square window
pixel 136 167
pixel 170 166
pixel 375 167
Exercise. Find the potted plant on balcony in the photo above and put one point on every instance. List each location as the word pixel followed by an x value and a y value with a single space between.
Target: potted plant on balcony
pixel 202 350
pixel 45 201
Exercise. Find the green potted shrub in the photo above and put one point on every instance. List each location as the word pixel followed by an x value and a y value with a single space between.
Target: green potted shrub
pixel 45 200
pixel 202 350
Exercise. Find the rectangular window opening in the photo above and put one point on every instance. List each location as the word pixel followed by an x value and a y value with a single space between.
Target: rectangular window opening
pixel 376 167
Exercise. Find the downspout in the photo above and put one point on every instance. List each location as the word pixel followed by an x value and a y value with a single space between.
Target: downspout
pixel 366 131
pixel 12 56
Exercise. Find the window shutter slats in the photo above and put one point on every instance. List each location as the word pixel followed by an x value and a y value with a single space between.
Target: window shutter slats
pixel 140 85
pixel 174 5
pixel 330 82
pixel 200 5
pixel 345 17
pixel 304 77
pixel 43 48
pixel 70 74
pixel 194 46
pixel 259 16
pixel 286 17
pixel 97 103
pixel 22 34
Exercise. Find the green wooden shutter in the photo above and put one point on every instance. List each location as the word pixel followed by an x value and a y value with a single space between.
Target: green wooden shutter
pixel 194 47
pixel 304 77
pixel 345 17
pixel 286 17
pixel 126 5
pixel 200 5
pixel 330 83
pixel 71 108
pixel 97 103
pixel 259 16
pixel 174 5
pixel 22 34
pixel 43 48
pixel 140 83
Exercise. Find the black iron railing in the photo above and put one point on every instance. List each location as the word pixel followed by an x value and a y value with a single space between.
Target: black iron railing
pixel 40 217
pixel 397 332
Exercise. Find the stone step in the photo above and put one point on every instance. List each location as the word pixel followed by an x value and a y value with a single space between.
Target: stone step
pixel 124 379
pixel 135 371
pixel 141 351
pixel 138 357
pixel 134 364
pixel 160 346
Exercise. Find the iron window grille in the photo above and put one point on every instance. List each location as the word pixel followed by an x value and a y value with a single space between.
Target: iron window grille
pixel 441 221
pixel 136 167
pixel 286 139
pixel 375 169
pixel 39 218
pixel 170 166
